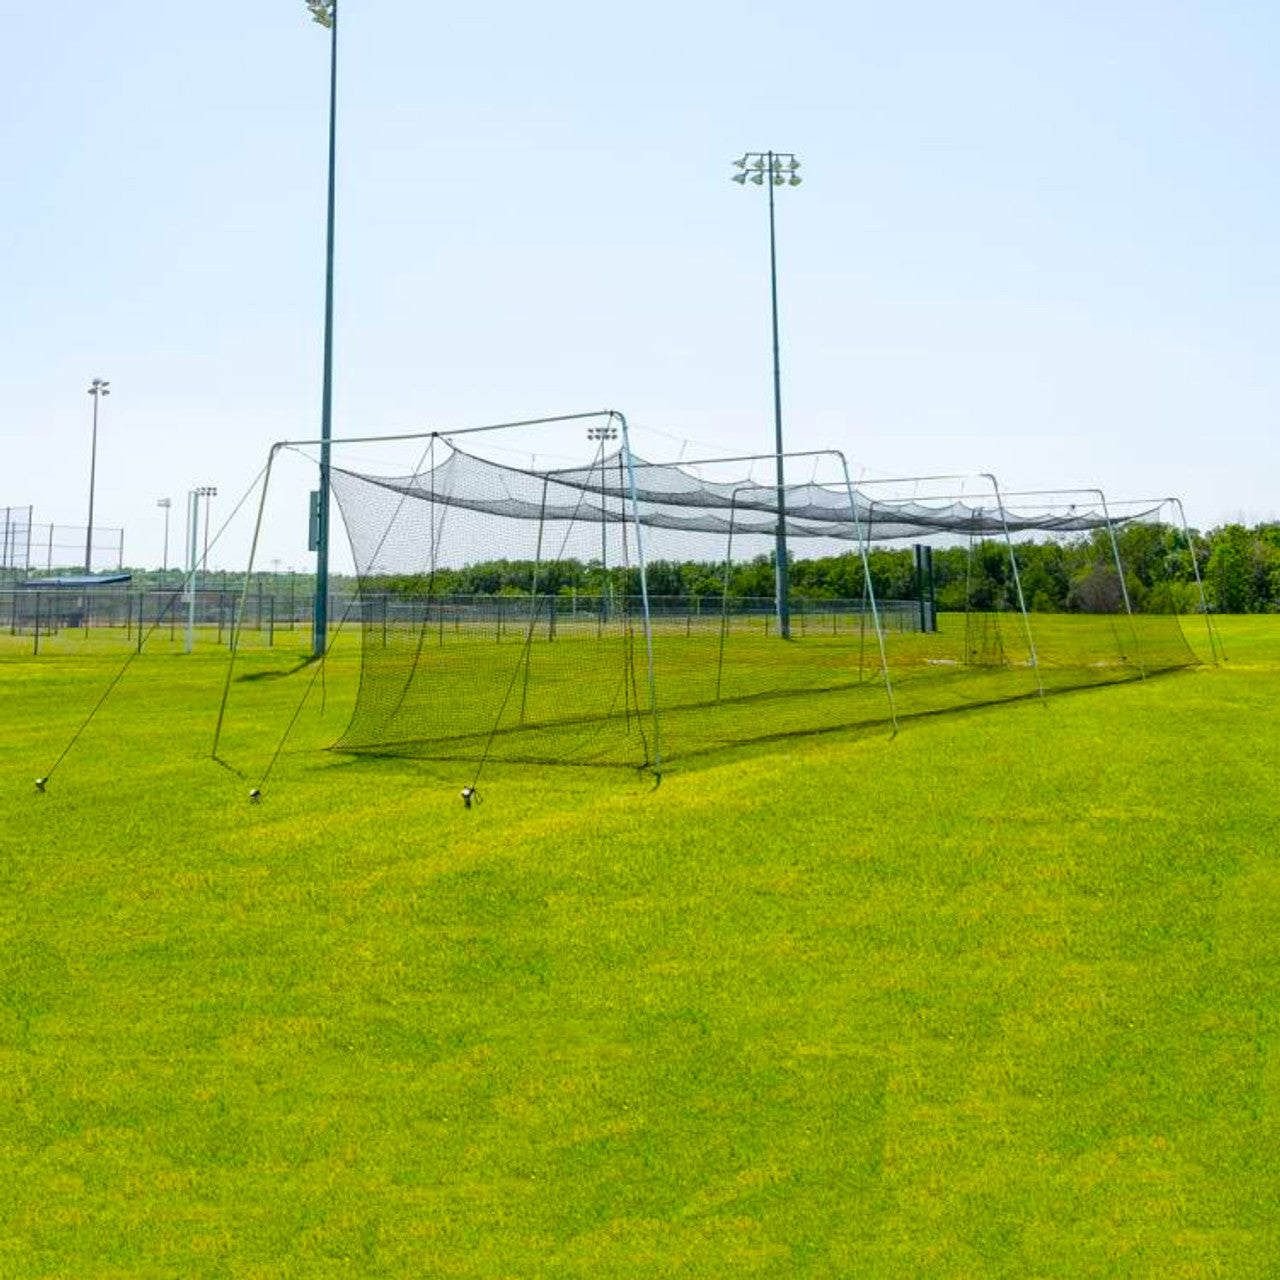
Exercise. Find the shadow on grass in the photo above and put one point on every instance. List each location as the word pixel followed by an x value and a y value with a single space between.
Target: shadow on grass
pixel 696 758
pixel 278 674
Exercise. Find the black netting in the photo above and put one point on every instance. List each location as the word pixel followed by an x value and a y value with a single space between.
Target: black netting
pixel 508 613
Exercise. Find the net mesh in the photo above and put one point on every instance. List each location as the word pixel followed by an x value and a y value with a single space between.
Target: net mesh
pixel 509 613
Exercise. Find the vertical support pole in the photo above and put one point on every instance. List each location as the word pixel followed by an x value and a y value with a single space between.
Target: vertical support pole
pixel 1124 586
pixel 533 603
pixel 724 596
pixel 918 551
pixel 644 596
pixel 933 590
pixel 862 606
pixel 975 520
pixel 234 646
pixel 629 689
pixel 1204 603
pixel 36 645
pixel 869 586
pixel 1017 582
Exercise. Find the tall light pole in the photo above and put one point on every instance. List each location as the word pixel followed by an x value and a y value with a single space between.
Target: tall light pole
pixel 602 436
pixel 325 12
pixel 165 504
pixel 775 169
pixel 97 389
pixel 207 492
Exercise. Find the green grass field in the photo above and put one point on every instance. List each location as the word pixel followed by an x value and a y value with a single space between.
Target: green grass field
pixel 998 997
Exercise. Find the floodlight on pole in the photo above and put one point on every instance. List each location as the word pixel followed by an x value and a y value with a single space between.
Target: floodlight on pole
pixel 98 388
pixel 165 504
pixel 325 12
pixel 206 491
pixel 780 169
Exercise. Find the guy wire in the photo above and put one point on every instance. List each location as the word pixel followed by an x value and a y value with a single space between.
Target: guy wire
pixel 164 613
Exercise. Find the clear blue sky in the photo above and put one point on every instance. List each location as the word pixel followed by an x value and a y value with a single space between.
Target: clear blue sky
pixel 1035 238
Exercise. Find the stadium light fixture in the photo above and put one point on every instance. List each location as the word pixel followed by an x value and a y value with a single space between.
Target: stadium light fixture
pixel 325 12
pixel 780 169
pixel 98 388
pixel 165 504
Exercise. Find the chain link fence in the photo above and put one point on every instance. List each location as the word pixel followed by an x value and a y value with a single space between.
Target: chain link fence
pixel 121 616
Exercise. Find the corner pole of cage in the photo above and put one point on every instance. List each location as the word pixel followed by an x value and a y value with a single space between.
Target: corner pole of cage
pixel 238 622
pixel 534 603
pixel 1204 603
pixel 864 551
pixel 644 591
pixel 1124 586
pixel 1017 580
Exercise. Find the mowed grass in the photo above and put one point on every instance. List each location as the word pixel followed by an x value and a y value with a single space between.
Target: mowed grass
pixel 998 997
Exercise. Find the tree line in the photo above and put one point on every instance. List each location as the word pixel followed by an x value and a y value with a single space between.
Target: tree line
pixel 1239 566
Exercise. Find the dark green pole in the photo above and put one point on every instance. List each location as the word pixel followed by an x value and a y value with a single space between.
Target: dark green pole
pixel 320 629
pixel 782 574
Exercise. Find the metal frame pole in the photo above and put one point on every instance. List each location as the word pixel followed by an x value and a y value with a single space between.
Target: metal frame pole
pixel 1017 580
pixel 320 630
pixel 237 620
pixel 863 547
pixel 1195 568
pixel 724 595
pixel 1124 587
pixel 644 593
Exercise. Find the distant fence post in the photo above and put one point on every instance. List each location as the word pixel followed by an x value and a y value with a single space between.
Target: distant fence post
pixel 36 649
